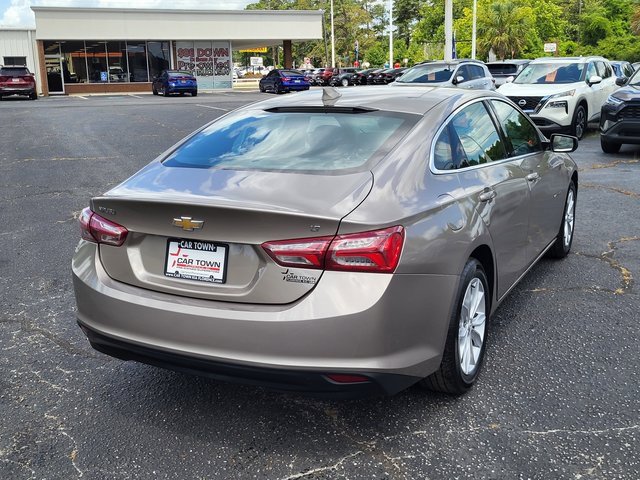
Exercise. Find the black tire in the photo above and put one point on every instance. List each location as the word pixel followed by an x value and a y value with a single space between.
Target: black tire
pixel 561 247
pixel 261 88
pixel 450 377
pixel 165 92
pixel 276 88
pixel 33 96
pixel 579 123
pixel 609 147
pixel 194 93
pixel 344 82
pixel 153 90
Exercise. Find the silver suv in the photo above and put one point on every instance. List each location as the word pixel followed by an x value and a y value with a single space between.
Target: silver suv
pixel 471 74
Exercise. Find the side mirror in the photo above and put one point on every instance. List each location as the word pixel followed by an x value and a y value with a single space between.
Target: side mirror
pixel 509 79
pixel 458 79
pixel 563 143
pixel 621 81
pixel 594 80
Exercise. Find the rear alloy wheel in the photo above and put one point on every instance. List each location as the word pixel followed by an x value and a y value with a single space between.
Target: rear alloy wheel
pixel 344 82
pixel 564 239
pixel 467 334
pixel 609 147
pixel 154 91
pixel 261 88
pixel 579 124
pixel 276 88
pixel 165 92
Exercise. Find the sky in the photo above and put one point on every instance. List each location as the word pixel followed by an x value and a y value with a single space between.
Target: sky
pixel 17 13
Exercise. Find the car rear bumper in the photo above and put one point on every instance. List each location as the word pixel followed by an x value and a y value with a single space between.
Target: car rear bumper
pixel 17 90
pixel 388 328
pixel 182 88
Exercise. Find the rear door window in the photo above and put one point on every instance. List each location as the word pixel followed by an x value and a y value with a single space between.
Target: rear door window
pixel 470 138
pixel 309 140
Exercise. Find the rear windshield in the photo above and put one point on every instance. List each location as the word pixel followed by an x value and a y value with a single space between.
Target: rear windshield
pixel 179 74
pixel 312 140
pixel 543 73
pixel 290 73
pixel 502 69
pixel 14 71
pixel 427 74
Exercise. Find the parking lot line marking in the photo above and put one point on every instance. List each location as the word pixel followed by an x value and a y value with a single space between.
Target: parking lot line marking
pixel 132 95
pixel 83 98
pixel 213 108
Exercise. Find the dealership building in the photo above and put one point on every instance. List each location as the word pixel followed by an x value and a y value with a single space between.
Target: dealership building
pixel 102 50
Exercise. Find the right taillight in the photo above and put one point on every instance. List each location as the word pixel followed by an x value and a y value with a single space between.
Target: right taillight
pixel 97 229
pixel 375 251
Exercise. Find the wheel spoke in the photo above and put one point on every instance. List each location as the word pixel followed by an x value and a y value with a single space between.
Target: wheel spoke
pixel 475 339
pixel 478 320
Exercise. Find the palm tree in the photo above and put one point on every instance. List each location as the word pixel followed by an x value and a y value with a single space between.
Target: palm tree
pixel 503 27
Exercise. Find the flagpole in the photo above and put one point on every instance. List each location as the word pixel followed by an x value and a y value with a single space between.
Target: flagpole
pixel 390 33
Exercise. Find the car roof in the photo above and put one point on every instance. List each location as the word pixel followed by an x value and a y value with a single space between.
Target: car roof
pixel 517 61
pixel 415 100
pixel 568 59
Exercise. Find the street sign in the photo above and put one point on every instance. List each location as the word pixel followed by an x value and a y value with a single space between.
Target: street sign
pixel 550 47
pixel 256 61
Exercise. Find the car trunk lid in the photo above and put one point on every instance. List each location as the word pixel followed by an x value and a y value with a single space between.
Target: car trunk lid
pixel 239 210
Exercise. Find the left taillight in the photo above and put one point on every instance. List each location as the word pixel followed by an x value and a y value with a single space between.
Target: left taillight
pixel 376 251
pixel 97 229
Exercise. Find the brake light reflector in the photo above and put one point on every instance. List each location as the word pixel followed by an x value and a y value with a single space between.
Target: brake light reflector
pixel 375 251
pixel 285 79
pixel 97 229
pixel 341 378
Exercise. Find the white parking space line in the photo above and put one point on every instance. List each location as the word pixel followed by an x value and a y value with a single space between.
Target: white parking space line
pixel 213 108
pixel 83 98
pixel 135 96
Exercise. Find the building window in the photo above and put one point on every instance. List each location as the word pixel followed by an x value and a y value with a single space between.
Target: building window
pixel 137 61
pixel 159 57
pixel 74 62
pixel 97 62
pixel 15 61
pixel 117 62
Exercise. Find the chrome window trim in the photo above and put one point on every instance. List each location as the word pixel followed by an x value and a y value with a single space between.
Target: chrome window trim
pixel 436 171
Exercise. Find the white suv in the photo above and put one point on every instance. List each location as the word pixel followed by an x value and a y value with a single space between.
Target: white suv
pixel 563 94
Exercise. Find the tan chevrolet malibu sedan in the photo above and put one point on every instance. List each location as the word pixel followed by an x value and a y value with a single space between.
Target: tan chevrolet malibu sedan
pixel 341 244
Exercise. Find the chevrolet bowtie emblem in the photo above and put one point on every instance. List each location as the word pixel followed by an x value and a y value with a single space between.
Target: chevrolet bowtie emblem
pixel 188 224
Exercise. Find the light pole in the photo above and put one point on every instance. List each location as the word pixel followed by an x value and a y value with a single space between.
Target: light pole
pixel 448 30
pixel 390 33
pixel 473 29
pixel 333 42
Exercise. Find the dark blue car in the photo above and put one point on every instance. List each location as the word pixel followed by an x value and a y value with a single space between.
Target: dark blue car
pixel 282 81
pixel 173 81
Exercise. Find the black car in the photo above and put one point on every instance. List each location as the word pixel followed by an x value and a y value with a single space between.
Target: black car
pixel 345 77
pixel 620 115
pixel 17 81
pixel 283 80
pixel 174 81
pixel 388 76
pixel 369 78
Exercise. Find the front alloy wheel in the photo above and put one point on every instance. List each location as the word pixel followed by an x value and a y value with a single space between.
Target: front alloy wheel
pixel 564 239
pixel 579 125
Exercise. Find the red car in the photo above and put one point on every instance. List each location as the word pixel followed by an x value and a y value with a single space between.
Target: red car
pixel 17 81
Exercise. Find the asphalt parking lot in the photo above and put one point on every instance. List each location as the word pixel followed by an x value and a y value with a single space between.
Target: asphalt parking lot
pixel 558 397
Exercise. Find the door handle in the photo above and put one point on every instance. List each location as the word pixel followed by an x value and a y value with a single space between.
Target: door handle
pixel 487 195
pixel 532 177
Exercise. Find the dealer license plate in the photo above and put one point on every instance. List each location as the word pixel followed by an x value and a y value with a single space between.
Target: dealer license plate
pixel 16 80
pixel 196 260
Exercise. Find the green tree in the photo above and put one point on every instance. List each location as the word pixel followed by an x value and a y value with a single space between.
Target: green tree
pixel 504 27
